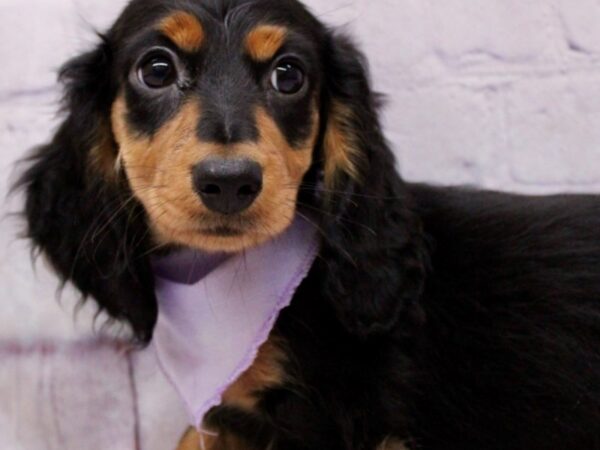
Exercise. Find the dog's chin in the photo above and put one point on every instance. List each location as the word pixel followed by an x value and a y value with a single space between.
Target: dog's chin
pixel 222 237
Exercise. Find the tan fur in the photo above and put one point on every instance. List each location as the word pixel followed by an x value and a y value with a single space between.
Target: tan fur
pixel 392 444
pixel 184 30
pixel 342 153
pixel 265 373
pixel 103 154
pixel 159 172
pixel 190 440
pixel 263 42
pixel 193 440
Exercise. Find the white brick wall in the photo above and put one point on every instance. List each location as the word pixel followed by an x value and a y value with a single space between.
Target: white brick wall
pixel 498 93
pixel 494 92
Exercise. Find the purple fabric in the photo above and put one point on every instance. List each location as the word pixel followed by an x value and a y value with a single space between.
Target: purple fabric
pixel 215 311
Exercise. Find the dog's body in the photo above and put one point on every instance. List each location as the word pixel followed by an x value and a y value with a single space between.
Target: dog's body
pixel 506 355
pixel 514 299
pixel 433 319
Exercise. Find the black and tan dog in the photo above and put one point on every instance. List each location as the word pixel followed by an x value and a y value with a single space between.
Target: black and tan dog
pixel 434 318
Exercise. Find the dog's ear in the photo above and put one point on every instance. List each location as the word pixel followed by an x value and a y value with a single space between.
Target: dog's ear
pixel 79 210
pixel 374 246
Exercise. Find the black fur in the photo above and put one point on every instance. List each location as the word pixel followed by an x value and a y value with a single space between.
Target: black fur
pixel 90 230
pixel 447 318
pixel 373 238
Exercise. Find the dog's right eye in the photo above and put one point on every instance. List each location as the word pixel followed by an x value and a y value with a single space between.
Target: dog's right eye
pixel 157 71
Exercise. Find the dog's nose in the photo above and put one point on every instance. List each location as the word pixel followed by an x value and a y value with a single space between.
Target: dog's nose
pixel 228 186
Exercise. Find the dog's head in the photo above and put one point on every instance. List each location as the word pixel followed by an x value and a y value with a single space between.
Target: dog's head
pixel 215 117
pixel 205 124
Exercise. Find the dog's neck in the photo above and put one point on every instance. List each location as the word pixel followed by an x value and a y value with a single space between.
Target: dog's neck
pixel 215 311
pixel 188 266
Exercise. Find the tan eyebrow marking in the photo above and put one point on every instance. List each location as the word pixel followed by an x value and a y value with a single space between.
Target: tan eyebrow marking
pixel 264 41
pixel 184 30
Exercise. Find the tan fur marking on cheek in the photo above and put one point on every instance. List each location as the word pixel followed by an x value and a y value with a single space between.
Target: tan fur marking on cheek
pixel 159 168
pixel 340 145
pixel 284 168
pixel 184 30
pixel 133 149
pixel 263 42
pixel 297 160
pixel 265 373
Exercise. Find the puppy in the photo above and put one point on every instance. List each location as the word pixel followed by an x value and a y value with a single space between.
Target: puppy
pixel 434 318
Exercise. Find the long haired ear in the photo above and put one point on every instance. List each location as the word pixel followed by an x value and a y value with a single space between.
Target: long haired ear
pixel 374 246
pixel 79 211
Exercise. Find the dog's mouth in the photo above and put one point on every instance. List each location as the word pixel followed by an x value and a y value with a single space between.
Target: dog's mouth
pixel 226 226
pixel 210 232
pixel 223 231
pixel 231 228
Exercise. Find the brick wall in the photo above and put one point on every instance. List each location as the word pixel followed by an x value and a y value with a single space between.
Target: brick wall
pixel 500 93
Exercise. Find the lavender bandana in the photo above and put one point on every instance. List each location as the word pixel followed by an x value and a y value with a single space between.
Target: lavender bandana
pixel 215 311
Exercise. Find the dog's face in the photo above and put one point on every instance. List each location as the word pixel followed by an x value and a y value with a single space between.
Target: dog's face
pixel 216 118
pixel 210 124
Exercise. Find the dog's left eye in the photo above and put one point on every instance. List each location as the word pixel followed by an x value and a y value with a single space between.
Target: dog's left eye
pixel 157 71
pixel 287 78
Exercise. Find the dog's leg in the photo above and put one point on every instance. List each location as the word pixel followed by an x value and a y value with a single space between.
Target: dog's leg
pixel 242 397
pixel 392 444
pixel 190 441
pixel 194 440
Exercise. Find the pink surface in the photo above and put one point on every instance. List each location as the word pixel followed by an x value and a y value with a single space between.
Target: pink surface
pixel 69 396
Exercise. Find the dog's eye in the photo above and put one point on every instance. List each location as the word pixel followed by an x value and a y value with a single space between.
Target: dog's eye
pixel 287 78
pixel 157 71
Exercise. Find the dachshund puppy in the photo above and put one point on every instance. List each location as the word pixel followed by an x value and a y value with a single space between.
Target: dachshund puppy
pixel 434 318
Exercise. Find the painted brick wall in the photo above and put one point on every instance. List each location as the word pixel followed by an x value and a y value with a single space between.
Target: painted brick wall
pixel 499 93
